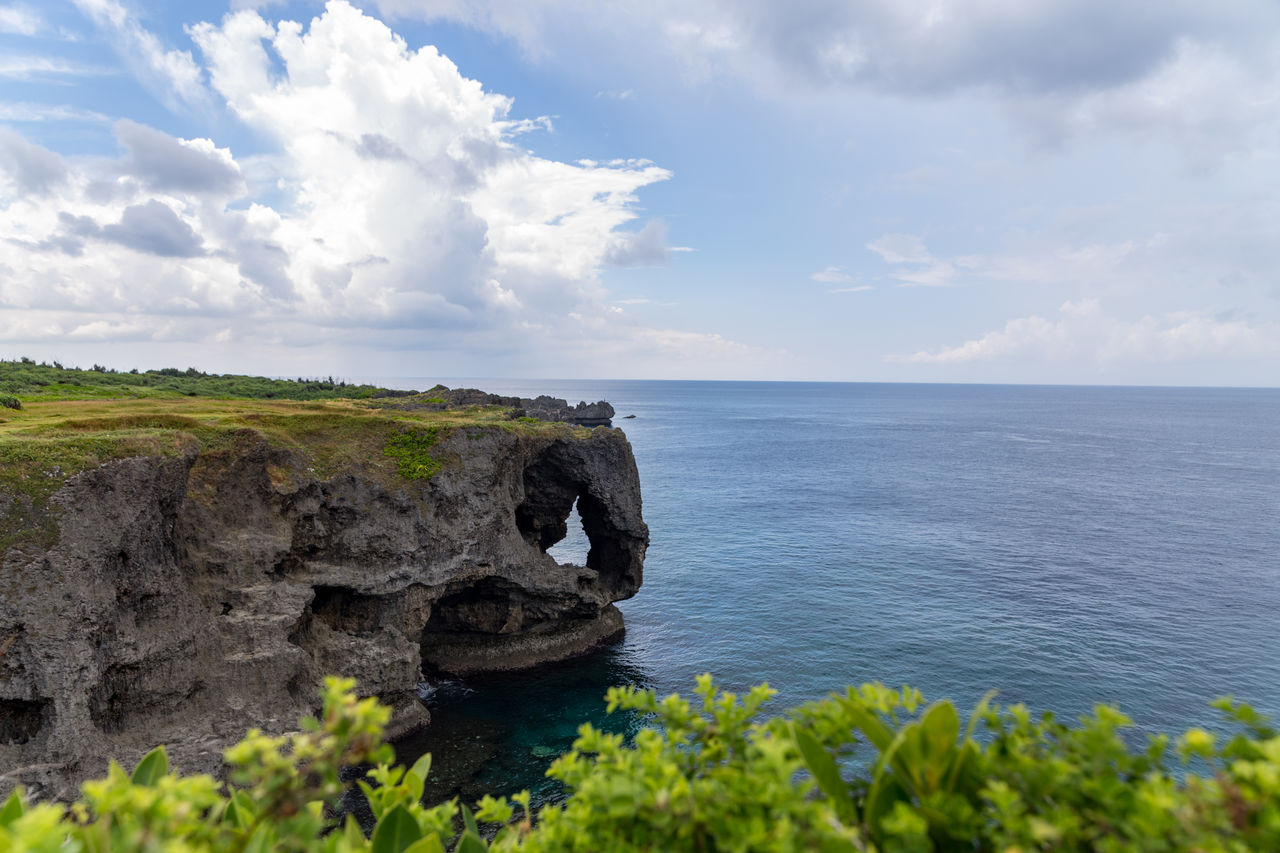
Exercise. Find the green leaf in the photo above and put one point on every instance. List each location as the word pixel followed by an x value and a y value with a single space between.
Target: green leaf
pixel 471 842
pixel 373 798
pixel 395 832
pixel 262 840
pixel 941 727
pixel 825 772
pixel 231 815
pixel 245 811
pixel 422 767
pixel 152 768
pixel 353 834
pixel 469 819
pixel 885 788
pixel 968 750
pixel 12 809
pixel 415 780
pixel 429 844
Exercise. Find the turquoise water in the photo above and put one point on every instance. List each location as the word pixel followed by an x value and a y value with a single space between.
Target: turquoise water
pixel 1064 546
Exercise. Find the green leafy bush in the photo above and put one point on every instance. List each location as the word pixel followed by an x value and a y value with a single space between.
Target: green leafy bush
pixel 870 770
pixel 10 402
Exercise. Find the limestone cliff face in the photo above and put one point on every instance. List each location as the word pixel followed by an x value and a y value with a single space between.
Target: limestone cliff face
pixel 190 598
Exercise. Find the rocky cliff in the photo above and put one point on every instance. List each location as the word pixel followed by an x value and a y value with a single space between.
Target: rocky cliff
pixel 190 596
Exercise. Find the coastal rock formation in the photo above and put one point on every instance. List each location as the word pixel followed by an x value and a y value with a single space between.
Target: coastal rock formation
pixel 543 407
pixel 189 598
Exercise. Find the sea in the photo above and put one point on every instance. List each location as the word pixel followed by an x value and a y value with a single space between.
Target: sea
pixel 1065 546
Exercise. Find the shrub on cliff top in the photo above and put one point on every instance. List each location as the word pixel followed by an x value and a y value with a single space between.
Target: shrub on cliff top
pixel 710 776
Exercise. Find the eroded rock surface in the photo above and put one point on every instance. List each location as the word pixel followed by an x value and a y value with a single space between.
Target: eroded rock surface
pixel 191 598
pixel 543 408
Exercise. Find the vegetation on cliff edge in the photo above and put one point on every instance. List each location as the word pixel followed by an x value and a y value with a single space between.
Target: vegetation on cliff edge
pixel 26 379
pixel 873 769
pixel 69 421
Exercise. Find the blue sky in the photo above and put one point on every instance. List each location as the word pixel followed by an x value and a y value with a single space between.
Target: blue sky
pixel 920 190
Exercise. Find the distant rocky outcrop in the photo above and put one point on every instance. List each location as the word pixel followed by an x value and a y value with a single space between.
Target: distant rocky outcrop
pixel 188 598
pixel 544 408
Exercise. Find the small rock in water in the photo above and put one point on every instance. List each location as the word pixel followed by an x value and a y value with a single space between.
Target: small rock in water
pixel 628 417
pixel 543 751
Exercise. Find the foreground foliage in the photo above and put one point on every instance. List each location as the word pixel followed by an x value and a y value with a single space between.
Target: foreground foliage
pixel 873 769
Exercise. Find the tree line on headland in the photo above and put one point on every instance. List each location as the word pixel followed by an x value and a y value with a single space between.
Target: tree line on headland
pixel 26 377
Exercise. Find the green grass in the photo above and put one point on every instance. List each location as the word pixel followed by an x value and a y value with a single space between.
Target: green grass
pixel 27 380
pixel 412 451
pixel 59 433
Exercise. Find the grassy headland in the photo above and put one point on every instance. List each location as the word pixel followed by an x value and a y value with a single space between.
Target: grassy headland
pixel 73 420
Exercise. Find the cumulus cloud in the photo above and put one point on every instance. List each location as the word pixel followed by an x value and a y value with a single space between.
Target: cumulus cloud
pixel 166 164
pixel 1082 331
pixel 644 248
pixel 28 167
pixel 394 212
pixel 154 228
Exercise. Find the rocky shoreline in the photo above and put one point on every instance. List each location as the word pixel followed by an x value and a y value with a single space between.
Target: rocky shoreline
pixel 543 407
pixel 189 598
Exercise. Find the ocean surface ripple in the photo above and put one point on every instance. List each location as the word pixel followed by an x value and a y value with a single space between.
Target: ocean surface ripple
pixel 1065 546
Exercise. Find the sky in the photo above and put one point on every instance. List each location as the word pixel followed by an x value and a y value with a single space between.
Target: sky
pixel 1030 191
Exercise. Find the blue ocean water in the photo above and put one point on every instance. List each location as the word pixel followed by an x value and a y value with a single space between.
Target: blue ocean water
pixel 1063 545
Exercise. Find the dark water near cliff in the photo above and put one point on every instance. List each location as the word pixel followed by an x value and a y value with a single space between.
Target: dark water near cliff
pixel 1064 545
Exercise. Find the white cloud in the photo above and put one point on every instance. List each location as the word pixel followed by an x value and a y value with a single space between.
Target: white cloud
pixel 29 168
pixel 154 228
pixel 915 265
pixel 858 288
pixel 26 67
pixel 831 275
pixel 1083 332
pixel 174 73
pixel 1207 98
pixel 1200 75
pixel 901 249
pixel 19 20
pixel 166 164
pixel 21 111
pixel 644 248
pixel 401 215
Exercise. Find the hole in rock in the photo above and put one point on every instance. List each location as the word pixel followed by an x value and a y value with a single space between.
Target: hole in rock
pixel 21 719
pixel 483 608
pixel 557 485
pixel 575 545
pixel 344 609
